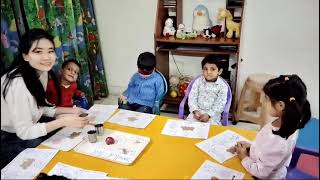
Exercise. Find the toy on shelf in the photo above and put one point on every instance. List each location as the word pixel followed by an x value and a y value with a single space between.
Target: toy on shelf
pixel 183 34
pixel 168 29
pixel 230 24
pixel 216 30
pixel 201 19
pixel 190 35
pixel 207 33
pixel 181 31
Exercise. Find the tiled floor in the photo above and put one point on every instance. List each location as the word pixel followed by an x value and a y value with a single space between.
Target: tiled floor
pixel 113 100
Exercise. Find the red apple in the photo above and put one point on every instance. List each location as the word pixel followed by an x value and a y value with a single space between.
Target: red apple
pixel 109 140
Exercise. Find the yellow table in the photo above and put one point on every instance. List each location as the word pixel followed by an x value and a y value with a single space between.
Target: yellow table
pixel 165 157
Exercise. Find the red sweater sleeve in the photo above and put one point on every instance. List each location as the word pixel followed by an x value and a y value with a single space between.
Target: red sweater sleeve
pixel 51 92
pixel 76 91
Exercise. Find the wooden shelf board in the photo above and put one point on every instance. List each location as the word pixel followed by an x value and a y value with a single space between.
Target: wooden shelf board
pixel 196 52
pixel 199 40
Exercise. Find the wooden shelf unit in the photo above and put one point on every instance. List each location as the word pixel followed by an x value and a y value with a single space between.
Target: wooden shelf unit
pixel 190 47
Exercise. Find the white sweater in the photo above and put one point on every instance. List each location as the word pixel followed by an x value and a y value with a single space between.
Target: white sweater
pixel 19 111
pixel 208 97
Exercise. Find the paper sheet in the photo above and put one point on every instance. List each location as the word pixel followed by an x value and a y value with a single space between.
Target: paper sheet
pixel 65 139
pixel 100 113
pixel 126 148
pixel 217 146
pixel 132 118
pixel 209 169
pixel 187 129
pixel 28 164
pixel 72 172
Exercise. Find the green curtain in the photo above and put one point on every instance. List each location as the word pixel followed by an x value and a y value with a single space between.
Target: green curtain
pixel 73 25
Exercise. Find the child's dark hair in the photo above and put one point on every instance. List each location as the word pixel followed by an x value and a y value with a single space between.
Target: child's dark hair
pixel 66 62
pixel 47 177
pixel 291 90
pixel 22 68
pixel 146 61
pixel 218 59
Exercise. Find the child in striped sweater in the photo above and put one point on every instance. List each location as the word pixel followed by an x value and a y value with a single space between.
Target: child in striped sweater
pixel 145 86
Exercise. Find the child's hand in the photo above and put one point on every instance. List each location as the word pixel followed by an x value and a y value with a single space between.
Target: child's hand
pixel 196 114
pixel 241 150
pixel 123 99
pixel 232 149
pixel 204 117
pixel 245 144
pixel 74 121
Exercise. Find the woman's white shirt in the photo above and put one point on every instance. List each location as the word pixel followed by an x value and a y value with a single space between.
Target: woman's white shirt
pixel 20 112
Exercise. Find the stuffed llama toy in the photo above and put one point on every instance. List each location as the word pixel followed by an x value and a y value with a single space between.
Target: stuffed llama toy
pixel 230 24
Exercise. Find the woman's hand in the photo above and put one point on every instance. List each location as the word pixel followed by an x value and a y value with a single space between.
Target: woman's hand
pixel 77 110
pixel 67 120
pixel 73 120
pixel 69 110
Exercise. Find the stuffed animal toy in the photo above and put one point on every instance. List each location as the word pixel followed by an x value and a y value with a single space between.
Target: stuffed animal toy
pixel 201 19
pixel 207 33
pixel 230 24
pixel 190 35
pixel 216 30
pixel 181 31
pixel 168 29
pixel 182 34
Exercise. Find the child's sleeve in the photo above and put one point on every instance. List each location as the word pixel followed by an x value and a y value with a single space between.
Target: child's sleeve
pixel 220 103
pixel 130 85
pixel 193 96
pixel 159 88
pixel 76 91
pixel 267 161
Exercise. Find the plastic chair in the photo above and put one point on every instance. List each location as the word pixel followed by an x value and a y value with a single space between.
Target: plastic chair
pixel 158 102
pixel 225 113
pixel 81 101
pixel 304 164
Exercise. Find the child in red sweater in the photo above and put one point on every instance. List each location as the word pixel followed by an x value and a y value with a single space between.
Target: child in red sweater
pixel 67 84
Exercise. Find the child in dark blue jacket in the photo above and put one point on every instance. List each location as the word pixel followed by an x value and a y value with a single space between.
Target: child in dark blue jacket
pixel 145 86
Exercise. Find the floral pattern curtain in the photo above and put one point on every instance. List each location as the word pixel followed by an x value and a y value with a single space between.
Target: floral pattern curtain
pixel 73 25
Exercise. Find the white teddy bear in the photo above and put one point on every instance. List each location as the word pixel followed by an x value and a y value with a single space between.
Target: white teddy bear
pixel 168 29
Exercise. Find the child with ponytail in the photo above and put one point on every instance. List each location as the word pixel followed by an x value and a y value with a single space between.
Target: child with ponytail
pixel 270 153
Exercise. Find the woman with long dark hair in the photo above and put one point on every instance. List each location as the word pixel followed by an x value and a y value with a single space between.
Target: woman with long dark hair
pixel 23 98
